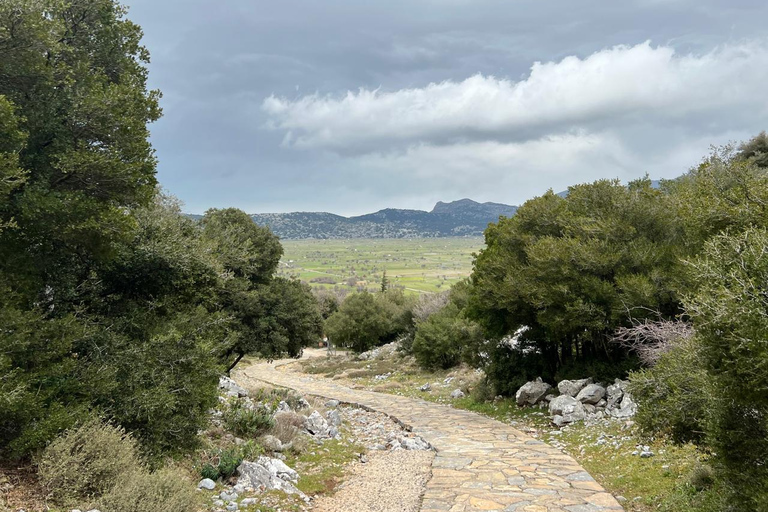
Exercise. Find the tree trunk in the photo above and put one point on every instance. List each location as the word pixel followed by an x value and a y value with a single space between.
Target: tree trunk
pixel 240 355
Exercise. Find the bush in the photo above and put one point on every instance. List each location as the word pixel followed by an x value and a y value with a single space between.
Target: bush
pixel 445 339
pixel 673 397
pixel 223 462
pixel 483 391
pixel 164 490
pixel 88 461
pixel 730 313
pixel 365 320
pixel 244 421
pixel 510 367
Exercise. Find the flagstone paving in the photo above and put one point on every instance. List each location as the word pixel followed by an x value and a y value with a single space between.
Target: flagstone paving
pixel 481 464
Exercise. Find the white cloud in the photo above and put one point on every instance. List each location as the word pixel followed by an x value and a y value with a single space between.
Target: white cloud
pixel 623 85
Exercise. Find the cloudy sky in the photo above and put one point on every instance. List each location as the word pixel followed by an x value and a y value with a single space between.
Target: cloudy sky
pixel 351 106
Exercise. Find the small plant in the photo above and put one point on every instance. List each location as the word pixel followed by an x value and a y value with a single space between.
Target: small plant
pixel 244 421
pixel 701 478
pixel 209 471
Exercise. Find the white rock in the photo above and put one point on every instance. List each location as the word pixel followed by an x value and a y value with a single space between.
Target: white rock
pixel 231 387
pixel 316 425
pixel 334 418
pixel 572 387
pixel 206 483
pixel 457 393
pixel 591 394
pixel 532 392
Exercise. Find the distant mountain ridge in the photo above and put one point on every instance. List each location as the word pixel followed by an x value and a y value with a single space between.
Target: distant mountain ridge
pixel 458 218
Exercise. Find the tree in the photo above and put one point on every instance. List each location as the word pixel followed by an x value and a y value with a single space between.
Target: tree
pixel 755 150
pixel 12 140
pixel 279 317
pixel 272 316
pixel 359 323
pixel 566 272
pixel 75 74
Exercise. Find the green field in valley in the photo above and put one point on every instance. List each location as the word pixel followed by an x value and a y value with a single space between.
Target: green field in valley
pixel 420 265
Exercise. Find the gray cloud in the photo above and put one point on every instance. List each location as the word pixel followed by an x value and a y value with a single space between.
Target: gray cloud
pixel 218 61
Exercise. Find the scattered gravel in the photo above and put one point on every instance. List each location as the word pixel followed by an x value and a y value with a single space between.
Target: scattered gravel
pixel 391 481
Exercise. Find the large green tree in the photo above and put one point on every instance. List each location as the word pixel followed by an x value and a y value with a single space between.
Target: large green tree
pixel 272 315
pixel 565 272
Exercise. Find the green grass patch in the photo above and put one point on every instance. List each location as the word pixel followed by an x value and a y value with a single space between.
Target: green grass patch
pixel 322 467
pixel 424 265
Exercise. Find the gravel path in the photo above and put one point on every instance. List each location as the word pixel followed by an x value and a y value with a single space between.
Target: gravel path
pixel 389 482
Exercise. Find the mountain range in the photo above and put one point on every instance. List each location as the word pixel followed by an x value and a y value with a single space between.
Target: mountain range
pixel 458 218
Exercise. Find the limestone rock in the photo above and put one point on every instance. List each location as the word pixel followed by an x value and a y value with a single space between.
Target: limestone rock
pixel 591 394
pixel 572 387
pixel 268 474
pixel 333 417
pixel 457 393
pixel 532 392
pixel 316 425
pixel 271 443
pixel 231 388
pixel 206 483
pixel 566 409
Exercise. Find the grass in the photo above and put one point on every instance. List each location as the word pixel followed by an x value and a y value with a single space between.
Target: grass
pixel 423 265
pixel 322 467
pixel 660 483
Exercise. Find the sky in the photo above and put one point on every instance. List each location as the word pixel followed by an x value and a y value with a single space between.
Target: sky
pixel 351 106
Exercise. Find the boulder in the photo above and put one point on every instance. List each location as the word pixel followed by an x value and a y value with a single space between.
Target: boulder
pixel 572 387
pixel 566 409
pixel 316 425
pixel 414 443
pixel 426 387
pixel 614 393
pixel 283 406
pixel 591 394
pixel 268 474
pixel 333 417
pixel 231 388
pixel 625 409
pixel 457 393
pixel 332 404
pixel 206 483
pixel 532 392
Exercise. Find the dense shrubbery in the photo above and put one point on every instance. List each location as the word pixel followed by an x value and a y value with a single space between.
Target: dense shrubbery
pixel 365 320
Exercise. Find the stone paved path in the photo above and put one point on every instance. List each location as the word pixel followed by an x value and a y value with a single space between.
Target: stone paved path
pixel 481 464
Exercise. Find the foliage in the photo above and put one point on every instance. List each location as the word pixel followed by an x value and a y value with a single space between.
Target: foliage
pixel 674 395
pixel 272 315
pixel 445 339
pixel 223 462
pixel 143 492
pixel 88 461
pixel 725 193
pixel 365 320
pixel 571 270
pixel 246 421
pixel 730 312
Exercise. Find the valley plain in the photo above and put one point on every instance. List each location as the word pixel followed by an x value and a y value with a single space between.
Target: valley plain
pixel 419 265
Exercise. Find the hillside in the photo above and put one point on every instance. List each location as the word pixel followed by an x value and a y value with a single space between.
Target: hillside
pixel 458 218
